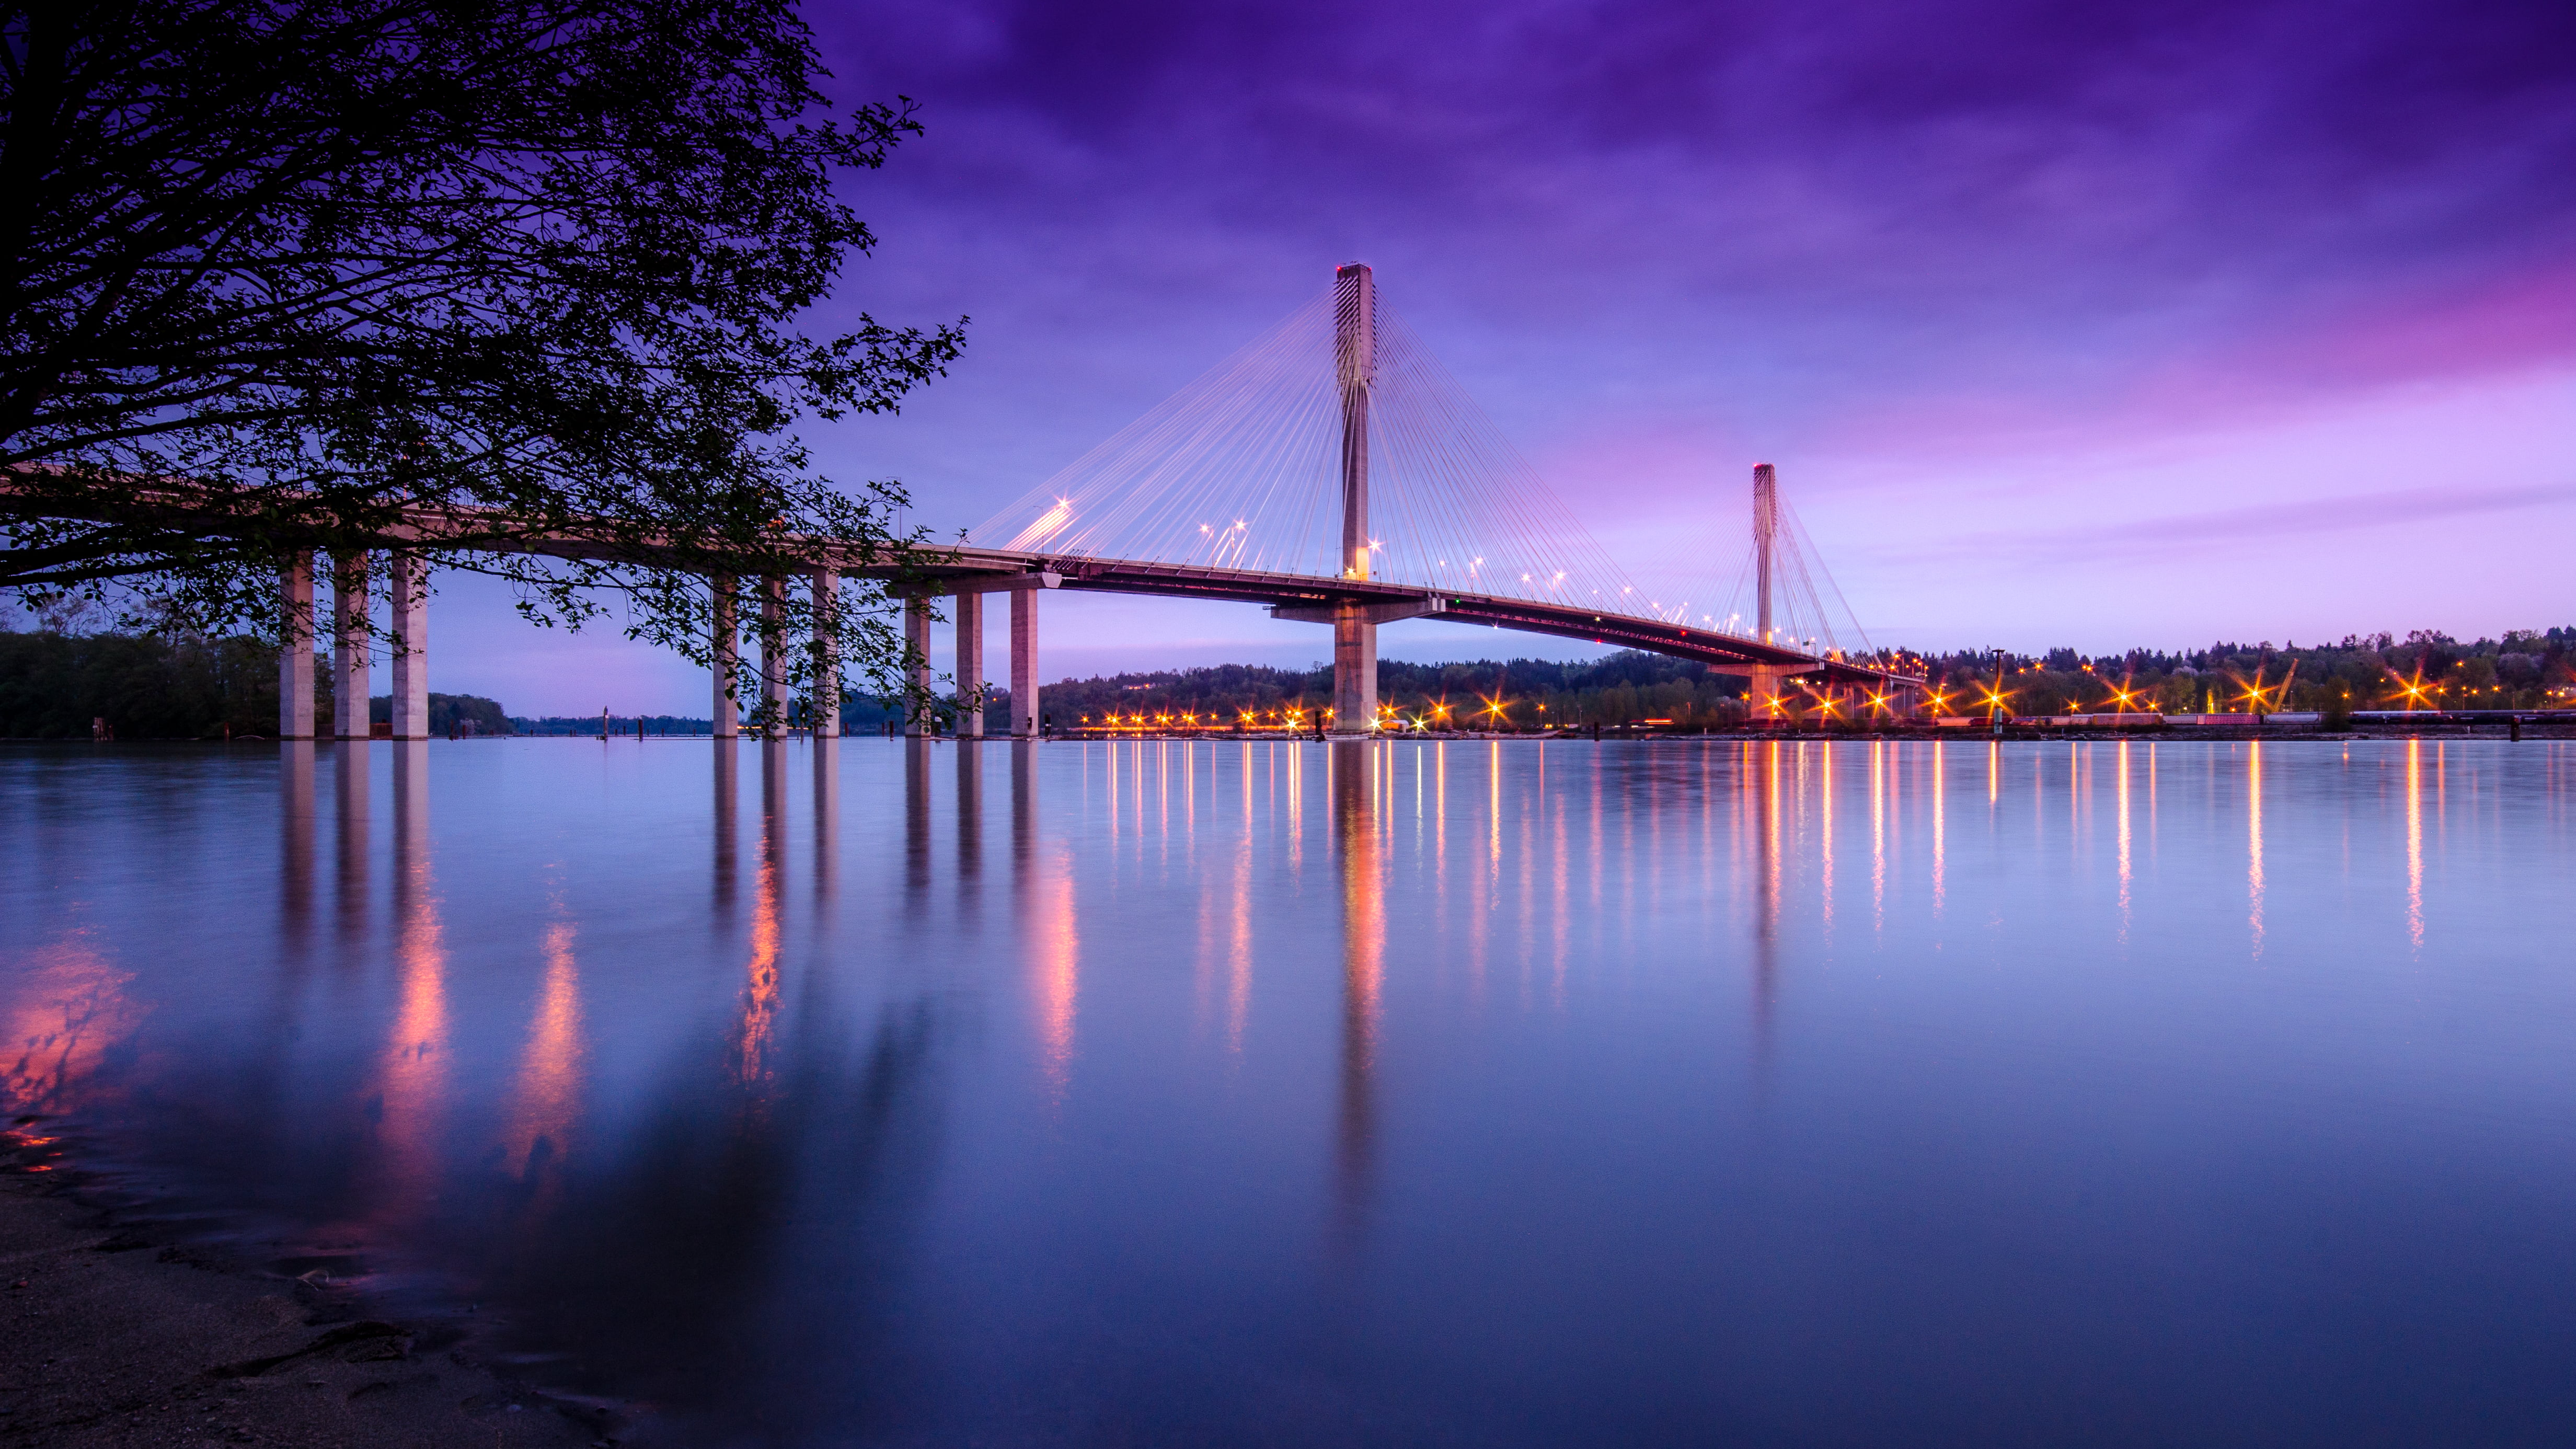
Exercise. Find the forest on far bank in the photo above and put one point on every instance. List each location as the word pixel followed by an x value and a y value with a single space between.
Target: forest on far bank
pixel 181 686
pixel 174 687
pixel 2525 669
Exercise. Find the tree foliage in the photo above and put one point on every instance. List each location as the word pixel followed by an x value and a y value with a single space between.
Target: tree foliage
pixel 464 277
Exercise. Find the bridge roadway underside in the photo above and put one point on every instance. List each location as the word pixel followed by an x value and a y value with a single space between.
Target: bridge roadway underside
pixel 1725 653
pixel 968 569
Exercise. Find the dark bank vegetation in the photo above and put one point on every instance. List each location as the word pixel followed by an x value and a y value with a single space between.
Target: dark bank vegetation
pixel 1486 694
pixel 55 686
pixel 2525 670
pixel 280 278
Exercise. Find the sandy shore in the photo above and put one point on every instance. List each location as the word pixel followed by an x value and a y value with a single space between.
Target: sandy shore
pixel 110 1335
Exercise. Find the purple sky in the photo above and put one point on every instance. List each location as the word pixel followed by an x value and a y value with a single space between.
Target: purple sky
pixel 2066 324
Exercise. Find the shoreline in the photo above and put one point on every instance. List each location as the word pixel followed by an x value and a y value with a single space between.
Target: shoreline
pixel 118 1335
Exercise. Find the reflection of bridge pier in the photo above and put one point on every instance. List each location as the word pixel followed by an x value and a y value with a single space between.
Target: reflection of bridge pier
pixel 1024 805
pixel 916 818
pixel 970 818
pixel 1357 840
pixel 727 768
pixel 295 837
pixel 1766 901
pixel 349 806
pixel 827 813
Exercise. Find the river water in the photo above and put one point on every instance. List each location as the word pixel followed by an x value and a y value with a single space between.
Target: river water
pixel 1485 1093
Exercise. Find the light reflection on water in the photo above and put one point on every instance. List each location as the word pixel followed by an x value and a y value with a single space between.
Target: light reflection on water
pixel 1249 1093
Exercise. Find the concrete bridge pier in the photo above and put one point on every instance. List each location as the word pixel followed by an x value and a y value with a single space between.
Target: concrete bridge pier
pixel 1024 664
pixel 916 645
pixel 295 660
pixel 827 654
pixel 1354 670
pixel 970 666
pixel 726 647
pixel 1764 686
pixel 349 647
pixel 773 654
pixel 409 618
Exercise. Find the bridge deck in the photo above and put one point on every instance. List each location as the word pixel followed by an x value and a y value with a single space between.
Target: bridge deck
pixel 1725 652
pixel 949 567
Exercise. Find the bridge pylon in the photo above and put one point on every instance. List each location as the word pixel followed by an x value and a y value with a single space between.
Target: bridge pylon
pixel 1354 630
pixel 1766 683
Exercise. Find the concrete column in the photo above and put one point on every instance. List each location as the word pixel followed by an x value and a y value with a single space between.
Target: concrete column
pixel 773 653
pixel 349 646
pixel 916 673
pixel 1354 671
pixel 409 621
pixel 295 657
pixel 970 666
pixel 1766 682
pixel 827 654
pixel 727 648
pixel 1024 664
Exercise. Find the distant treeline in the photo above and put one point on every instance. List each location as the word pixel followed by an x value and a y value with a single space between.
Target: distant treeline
pixel 449 714
pixel 174 687
pixel 184 687
pixel 1517 694
pixel 859 715
pixel 2526 669
pixel 144 686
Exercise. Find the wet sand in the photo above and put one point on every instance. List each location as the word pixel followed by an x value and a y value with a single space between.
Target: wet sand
pixel 114 1336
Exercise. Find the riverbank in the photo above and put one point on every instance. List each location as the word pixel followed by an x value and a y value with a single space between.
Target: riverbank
pixel 2559 725
pixel 113 1336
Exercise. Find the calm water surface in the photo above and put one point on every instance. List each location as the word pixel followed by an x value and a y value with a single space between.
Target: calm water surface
pixel 1164 1093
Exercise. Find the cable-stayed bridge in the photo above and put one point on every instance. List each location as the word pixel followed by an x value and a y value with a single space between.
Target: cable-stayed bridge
pixel 1335 473
pixel 1332 471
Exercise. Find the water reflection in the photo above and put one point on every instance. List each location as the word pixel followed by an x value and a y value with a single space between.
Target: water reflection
pixel 1356 825
pixel 827 816
pixel 545 1099
pixel 2415 844
pixel 856 1157
pixel 2254 842
pixel 724 826
pixel 349 806
pixel 2121 786
pixel 412 1071
pixel 1766 895
pixel 758 1019
pixel 66 1008
pixel 295 809
pixel 1050 929
pixel 970 816
pixel 916 818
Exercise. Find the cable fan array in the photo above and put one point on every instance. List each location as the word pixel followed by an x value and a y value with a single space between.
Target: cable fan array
pixel 1241 470
pixel 1808 611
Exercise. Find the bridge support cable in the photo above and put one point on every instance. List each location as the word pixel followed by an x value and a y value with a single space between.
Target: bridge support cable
pixel 1243 470
pixel 1781 593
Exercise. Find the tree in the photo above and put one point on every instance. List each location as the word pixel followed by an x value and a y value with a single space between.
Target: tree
pixel 459 277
